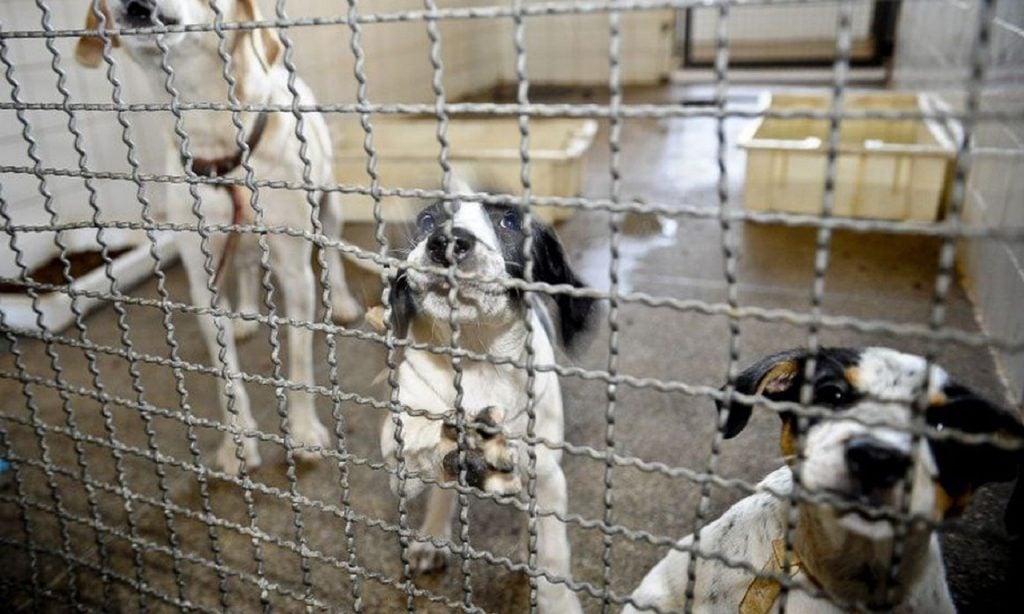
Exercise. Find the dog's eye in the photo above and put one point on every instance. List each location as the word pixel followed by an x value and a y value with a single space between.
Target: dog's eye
pixel 831 394
pixel 425 222
pixel 511 220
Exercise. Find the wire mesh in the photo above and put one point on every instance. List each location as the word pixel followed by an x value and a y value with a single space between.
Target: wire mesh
pixel 115 500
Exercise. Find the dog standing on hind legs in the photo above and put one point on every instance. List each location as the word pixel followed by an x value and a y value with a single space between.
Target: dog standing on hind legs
pixel 486 241
pixel 255 60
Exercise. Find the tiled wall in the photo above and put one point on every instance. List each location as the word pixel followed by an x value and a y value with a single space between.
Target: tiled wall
pixel 477 55
pixel 573 49
pixel 398 65
pixel 933 51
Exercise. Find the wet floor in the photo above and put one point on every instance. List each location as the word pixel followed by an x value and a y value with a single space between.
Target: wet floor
pixel 210 552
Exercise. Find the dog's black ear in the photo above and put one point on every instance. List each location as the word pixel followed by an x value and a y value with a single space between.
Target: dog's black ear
pixel 403 306
pixel 964 466
pixel 551 265
pixel 776 377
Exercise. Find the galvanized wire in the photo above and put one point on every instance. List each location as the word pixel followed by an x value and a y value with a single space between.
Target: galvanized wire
pixel 54 361
pixel 387 279
pixel 538 9
pixel 615 229
pixel 978 59
pixel 822 257
pixel 142 583
pixel 729 257
pixel 525 180
pixel 535 109
pixel 187 157
pixel 146 213
pixel 677 210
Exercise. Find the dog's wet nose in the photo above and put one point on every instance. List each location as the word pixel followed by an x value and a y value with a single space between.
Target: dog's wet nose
pixel 140 11
pixel 438 245
pixel 875 465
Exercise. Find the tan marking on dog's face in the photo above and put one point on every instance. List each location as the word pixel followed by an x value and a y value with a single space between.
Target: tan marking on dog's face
pixel 937 398
pixel 948 506
pixel 852 375
pixel 780 378
pixel 788 441
pixel 89 49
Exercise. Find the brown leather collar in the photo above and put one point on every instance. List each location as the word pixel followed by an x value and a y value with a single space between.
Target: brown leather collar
pixel 218 167
pixel 222 166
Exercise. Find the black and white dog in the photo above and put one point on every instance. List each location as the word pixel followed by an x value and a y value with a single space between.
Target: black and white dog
pixel 487 242
pixel 858 455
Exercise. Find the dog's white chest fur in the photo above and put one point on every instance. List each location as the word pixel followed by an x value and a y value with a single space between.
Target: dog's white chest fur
pixel 428 380
pixel 482 384
pixel 744 534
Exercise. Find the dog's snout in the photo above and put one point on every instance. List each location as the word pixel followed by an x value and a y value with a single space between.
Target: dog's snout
pixel 139 10
pixel 441 252
pixel 144 14
pixel 875 465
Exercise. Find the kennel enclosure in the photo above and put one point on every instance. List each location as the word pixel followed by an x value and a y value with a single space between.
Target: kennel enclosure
pixel 109 420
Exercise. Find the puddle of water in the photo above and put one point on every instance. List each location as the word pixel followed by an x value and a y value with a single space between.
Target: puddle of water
pixel 642 233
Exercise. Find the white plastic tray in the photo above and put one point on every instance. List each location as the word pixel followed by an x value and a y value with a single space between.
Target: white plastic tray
pixel 895 169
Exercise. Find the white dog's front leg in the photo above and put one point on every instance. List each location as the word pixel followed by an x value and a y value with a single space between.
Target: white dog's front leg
pixel 234 401
pixel 552 540
pixel 417 445
pixel 291 263
pixel 248 272
pixel 410 444
pixel 425 557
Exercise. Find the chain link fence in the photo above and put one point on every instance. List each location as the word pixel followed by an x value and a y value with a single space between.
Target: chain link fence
pixel 108 428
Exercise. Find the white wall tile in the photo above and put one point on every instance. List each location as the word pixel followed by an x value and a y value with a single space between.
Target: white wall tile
pixel 932 53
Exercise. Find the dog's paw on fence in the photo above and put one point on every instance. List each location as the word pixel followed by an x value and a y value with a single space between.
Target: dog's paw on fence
pixel 489 460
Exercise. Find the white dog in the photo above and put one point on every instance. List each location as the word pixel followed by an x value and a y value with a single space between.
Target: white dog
pixel 843 550
pixel 256 63
pixel 485 241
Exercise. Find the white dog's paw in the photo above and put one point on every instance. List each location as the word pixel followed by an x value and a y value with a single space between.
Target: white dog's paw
pixel 345 309
pixel 490 462
pixel 307 436
pixel 244 329
pixel 557 598
pixel 228 461
pixel 425 557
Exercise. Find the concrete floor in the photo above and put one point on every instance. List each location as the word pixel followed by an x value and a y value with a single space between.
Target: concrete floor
pixel 870 276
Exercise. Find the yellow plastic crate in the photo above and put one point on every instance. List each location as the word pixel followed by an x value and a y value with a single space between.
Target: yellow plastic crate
pixel 892 169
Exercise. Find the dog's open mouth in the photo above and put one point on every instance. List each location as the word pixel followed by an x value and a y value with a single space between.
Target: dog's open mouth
pixel 872 506
pixel 431 283
pixel 866 514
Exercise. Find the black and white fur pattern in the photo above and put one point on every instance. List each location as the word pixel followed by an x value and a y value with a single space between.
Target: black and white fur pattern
pixel 846 552
pixel 492 319
pixel 256 62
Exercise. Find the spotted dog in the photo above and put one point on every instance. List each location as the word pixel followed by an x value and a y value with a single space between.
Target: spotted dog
pixel 860 455
pixel 275 152
pixel 488 242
